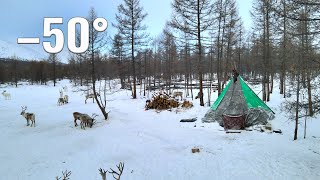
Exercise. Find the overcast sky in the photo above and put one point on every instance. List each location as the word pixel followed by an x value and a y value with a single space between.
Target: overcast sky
pixel 24 18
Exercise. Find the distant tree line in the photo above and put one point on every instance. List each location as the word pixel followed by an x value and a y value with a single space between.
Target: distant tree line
pixel 203 41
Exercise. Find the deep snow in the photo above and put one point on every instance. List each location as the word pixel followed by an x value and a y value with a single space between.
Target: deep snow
pixel 152 145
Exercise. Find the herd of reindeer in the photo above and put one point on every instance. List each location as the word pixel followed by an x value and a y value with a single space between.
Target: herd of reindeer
pixel 85 119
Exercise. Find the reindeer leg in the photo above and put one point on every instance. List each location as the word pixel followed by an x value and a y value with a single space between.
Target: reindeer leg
pixel 27 122
pixel 75 123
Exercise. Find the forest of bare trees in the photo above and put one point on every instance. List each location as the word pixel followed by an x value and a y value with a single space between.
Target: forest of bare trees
pixel 202 42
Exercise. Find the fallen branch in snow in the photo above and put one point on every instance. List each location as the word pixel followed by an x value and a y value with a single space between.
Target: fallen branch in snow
pixel 65 175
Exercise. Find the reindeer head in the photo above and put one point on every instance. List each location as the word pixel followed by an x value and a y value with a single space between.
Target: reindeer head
pixel 92 122
pixel 23 110
pixel 61 92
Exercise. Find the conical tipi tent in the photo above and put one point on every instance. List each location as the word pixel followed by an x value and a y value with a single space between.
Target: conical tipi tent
pixel 238 106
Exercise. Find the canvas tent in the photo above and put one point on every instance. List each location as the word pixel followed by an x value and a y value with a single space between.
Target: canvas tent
pixel 238 106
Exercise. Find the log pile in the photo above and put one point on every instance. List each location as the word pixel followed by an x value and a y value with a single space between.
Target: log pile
pixel 187 104
pixel 161 101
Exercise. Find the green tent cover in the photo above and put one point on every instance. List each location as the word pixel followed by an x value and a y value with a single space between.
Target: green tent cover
pixel 252 100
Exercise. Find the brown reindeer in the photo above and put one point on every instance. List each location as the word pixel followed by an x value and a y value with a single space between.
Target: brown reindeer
pixel 29 116
pixel 61 101
pixel 85 119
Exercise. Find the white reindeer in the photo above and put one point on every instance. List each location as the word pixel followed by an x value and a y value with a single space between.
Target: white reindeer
pixel 88 96
pixel 61 93
pixel 65 88
pixel 7 96
pixel 29 116
pixel 178 93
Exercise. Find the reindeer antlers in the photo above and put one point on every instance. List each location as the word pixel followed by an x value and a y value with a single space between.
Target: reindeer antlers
pixel 24 108
pixel 114 173
pixel 65 175
pixel 120 168
pixel 103 173
pixel 94 115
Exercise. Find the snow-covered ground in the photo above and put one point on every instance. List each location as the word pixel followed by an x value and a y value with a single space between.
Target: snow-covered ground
pixel 152 145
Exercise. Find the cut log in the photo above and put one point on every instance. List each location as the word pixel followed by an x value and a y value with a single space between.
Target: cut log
pixel 195 150
pixel 161 101
pixel 188 120
pixel 277 131
pixel 233 132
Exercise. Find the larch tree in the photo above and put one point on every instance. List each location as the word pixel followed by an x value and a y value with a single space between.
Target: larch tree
pixel 194 18
pixel 262 19
pixel 129 23
pixel 118 53
pixel 53 60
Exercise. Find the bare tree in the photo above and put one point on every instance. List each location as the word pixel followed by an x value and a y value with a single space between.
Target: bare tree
pixel 118 52
pixel 129 23
pixel 194 18
pixel 53 59
pixel 96 43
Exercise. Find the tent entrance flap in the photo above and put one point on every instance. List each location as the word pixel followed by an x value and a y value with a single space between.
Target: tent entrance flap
pixel 216 104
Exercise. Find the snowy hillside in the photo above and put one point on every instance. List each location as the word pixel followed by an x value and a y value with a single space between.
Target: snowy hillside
pixel 8 49
pixel 29 51
pixel 152 145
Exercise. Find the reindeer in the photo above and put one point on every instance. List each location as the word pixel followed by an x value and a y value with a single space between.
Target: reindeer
pixel 65 88
pixel 29 116
pixel 88 96
pixel 85 119
pixel 76 116
pixel 178 93
pixel 61 101
pixel 66 98
pixel 61 93
pixel 7 96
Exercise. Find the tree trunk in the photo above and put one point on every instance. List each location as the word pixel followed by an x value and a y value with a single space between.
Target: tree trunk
pixel 200 56
pixel 297 109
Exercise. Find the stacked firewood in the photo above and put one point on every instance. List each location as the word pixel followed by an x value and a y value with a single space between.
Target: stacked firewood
pixel 187 104
pixel 161 101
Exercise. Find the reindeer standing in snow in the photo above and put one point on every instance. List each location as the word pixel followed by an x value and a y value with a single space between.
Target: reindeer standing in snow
pixel 88 96
pixel 29 116
pixel 7 96
pixel 61 93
